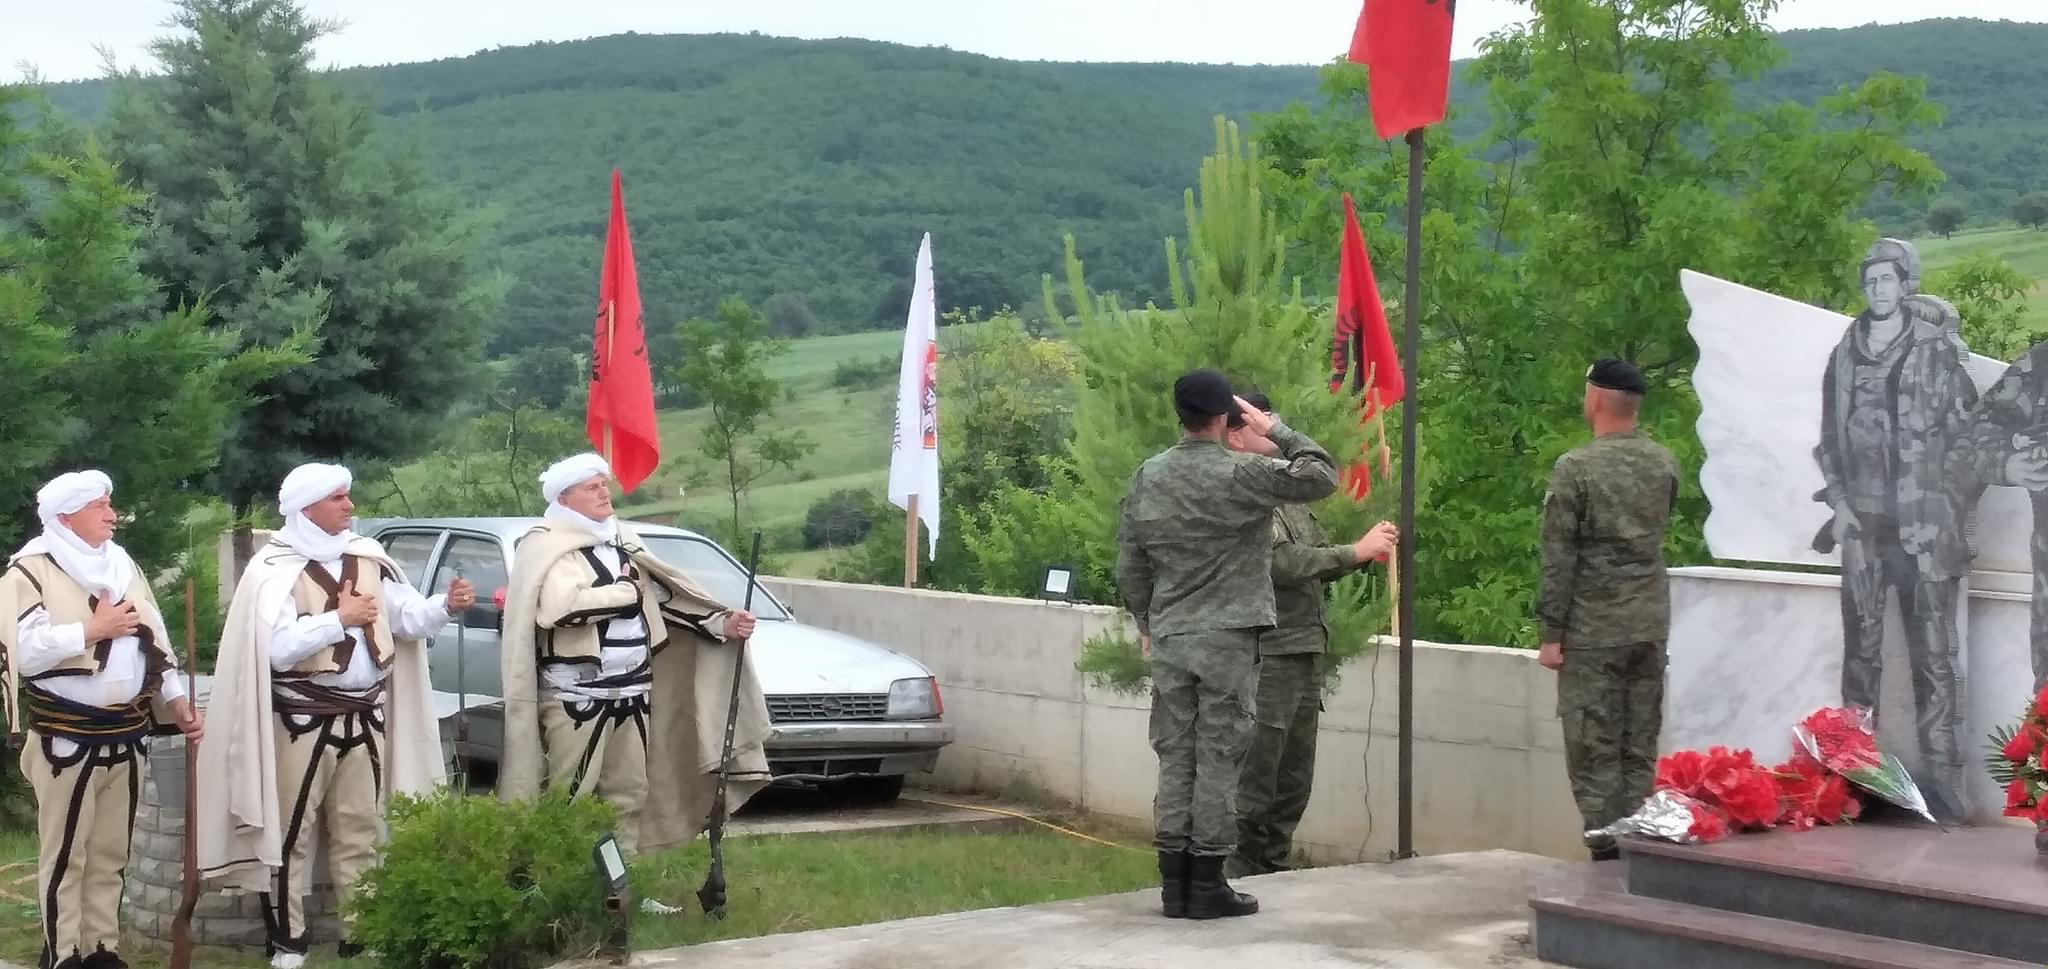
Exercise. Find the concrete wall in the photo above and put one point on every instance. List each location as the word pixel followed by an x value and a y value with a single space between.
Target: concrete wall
pixel 1489 761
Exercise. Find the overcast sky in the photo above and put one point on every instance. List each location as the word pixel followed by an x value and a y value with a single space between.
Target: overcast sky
pixel 58 37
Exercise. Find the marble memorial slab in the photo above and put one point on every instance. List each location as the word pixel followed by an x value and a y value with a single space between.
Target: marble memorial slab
pixel 1759 383
pixel 1752 651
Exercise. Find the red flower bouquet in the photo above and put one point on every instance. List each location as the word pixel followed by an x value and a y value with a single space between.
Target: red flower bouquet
pixel 2017 763
pixel 1810 795
pixel 1842 740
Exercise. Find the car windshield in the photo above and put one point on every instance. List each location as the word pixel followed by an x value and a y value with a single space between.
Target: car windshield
pixel 716 571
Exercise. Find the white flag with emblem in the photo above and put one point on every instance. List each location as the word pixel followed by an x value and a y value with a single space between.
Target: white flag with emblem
pixel 914 457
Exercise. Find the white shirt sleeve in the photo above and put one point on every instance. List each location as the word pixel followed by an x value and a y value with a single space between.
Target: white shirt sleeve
pixel 414 616
pixel 173 685
pixel 42 647
pixel 293 637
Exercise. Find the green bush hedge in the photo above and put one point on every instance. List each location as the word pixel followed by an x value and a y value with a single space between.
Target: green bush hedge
pixel 471 882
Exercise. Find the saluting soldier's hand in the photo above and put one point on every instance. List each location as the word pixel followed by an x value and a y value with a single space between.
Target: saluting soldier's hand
pixel 1255 420
pixel 1551 656
pixel 739 624
pixel 189 720
pixel 461 595
pixel 111 621
pixel 356 609
pixel 2025 470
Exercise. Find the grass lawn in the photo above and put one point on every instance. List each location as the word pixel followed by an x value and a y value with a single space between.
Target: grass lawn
pixel 774 885
pixel 2025 249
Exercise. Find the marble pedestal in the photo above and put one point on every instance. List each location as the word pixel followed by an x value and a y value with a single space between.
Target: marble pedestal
pixel 1753 651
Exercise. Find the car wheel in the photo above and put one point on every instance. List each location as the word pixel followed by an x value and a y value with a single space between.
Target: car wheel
pixel 876 790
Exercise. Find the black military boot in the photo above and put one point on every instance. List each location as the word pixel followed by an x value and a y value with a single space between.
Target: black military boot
pixel 1173 884
pixel 102 959
pixel 1210 896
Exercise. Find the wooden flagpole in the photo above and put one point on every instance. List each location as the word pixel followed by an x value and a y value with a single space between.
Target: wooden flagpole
pixel 1379 421
pixel 910 543
pixel 611 329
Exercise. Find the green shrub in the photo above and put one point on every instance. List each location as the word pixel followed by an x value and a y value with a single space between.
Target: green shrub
pixel 471 882
pixel 864 374
pixel 839 519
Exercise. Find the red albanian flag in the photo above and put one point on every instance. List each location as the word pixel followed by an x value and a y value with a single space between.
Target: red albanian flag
pixel 621 418
pixel 1362 344
pixel 1407 44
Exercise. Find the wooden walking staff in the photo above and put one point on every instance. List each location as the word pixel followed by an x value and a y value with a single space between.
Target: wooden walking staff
pixel 188 887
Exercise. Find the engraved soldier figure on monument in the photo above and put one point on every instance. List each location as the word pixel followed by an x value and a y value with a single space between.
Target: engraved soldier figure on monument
pixel 1895 400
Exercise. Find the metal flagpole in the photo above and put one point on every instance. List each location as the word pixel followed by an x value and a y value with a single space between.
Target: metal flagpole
pixel 1404 556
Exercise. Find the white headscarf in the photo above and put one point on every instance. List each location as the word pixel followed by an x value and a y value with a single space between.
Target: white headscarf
pixel 307 484
pixel 106 571
pixel 568 473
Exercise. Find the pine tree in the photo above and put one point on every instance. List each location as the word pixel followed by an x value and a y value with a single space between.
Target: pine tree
pixel 98 373
pixel 1234 309
pixel 279 205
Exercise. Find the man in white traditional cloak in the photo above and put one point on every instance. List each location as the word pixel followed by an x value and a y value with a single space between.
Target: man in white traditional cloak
pixel 87 646
pixel 616 673
pixel 321 706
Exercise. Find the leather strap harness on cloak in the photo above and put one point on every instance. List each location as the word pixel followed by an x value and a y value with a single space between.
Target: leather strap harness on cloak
pixel 692 675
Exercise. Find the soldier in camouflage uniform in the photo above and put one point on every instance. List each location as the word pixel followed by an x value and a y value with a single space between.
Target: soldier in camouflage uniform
pixel 1279 769
pixel 2007 444
pixel 1194 548
pixel 1606 607
pixel 1895 401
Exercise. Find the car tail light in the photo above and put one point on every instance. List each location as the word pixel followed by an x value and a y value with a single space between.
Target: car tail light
pixel 938 700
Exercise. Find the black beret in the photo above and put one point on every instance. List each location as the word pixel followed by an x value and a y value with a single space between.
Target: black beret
pixel 1616 374
pixel 1203 393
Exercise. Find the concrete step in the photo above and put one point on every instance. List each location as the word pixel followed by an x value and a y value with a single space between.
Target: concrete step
pixel 1975 890
pixel 1613 930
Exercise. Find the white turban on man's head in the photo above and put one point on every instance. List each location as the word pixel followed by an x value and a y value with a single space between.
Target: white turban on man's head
pixel 570 472
pixel 69 492
pixel 306 485
pixel 104 570
pixel 310 483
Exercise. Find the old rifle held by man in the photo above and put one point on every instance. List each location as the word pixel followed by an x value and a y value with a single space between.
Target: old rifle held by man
pixel 712 895
pixel 188 885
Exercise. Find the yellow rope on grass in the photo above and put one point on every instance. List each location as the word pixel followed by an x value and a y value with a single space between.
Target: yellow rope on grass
pixel 1069 832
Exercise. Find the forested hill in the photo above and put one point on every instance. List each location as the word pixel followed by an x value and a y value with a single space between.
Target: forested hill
pixel 760 166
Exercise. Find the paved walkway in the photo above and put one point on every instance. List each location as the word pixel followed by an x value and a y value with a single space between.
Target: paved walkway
pixel 1463 911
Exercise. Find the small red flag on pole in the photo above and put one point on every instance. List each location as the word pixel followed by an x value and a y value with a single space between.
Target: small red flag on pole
pixel 1407 44
pixel 1362 347
pixel 621 417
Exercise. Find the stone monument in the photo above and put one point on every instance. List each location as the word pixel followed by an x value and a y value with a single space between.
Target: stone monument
pixel 1862 444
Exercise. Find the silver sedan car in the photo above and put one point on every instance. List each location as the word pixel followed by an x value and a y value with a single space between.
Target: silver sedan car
pixel 842 709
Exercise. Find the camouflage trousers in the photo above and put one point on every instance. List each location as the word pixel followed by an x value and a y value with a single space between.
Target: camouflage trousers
pixel 1611 702
pixel 1272 792
pixel 1202 696
pixel 1874 564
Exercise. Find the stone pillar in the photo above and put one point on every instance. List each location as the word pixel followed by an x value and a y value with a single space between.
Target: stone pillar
pixel 156 866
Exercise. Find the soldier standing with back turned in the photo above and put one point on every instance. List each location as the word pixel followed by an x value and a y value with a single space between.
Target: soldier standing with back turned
pixel 1606 605
pixel 1280 767
pixel 1194 564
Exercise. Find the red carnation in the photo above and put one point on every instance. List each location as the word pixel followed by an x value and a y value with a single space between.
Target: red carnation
pixel 1726 770
pixel 1683 771
pixel 1752 802
pixel 2022 744
pixel 1708 826
pixel 1834 803
pixel 2041 706
pixel 2016 796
